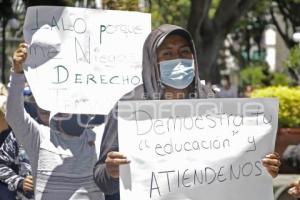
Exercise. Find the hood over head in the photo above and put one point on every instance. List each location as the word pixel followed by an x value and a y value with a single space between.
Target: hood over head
pixel 70 124
pixel 152 85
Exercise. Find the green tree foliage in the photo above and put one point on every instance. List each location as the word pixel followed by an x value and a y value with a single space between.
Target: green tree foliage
pixel 289 103
pixel 132 5
pixel 257 74
pixel 293 64
pixel 281 79
pixel 253 75
pixel 213 8
pixel 210 22
pixel 289 11
pixel 247 34
pixel 293 60
pixel 169 12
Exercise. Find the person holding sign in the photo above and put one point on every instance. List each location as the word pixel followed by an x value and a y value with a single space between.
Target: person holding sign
pixel 295 189
pixel 169 72
pixel 62 155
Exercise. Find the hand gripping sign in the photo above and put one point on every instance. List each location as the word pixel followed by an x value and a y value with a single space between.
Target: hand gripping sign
pixel 83 60
pixel 197 149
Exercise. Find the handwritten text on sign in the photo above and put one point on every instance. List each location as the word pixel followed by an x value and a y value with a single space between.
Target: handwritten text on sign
pixel 83 60
pixel 197 149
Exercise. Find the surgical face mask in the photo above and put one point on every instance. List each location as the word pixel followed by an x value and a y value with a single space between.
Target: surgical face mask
pixel 177 73
pixel 75 124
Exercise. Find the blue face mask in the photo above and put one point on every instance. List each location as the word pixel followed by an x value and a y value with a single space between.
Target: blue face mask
pixel 177 73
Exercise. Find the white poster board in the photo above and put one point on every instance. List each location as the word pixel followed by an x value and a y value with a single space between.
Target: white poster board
pixel 197 149
pixel 83 60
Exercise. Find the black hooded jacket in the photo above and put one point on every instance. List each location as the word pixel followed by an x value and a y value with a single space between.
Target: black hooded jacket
pixel 151 89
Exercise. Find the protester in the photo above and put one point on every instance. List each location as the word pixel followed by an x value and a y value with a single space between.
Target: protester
pixel 15 170
pixel 248 91
pixel 291 158
pixel 169 72
pixel 62 155
pixel 227 90
pixel 5 193
pixel 4 128
pixel 295 189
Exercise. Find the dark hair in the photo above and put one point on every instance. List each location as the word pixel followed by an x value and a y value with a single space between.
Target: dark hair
pixel 226 77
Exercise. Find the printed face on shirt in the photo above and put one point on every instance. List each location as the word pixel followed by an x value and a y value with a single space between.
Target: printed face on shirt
pixel 174 47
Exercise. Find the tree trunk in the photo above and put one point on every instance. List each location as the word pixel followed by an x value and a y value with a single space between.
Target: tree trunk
pixel 198 11
pixel 209 34
pixel 48 2
pixel 207 52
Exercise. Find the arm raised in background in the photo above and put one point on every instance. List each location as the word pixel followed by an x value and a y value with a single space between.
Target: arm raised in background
pixel 24 127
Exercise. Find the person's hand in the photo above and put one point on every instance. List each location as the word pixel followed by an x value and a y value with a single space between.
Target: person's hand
pixel 295 189
pixel 113 161
pixel 19 57
pixel 28 184
pixel 272 163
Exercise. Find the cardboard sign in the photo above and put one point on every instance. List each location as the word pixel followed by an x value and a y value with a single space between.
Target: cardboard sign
pixel 83 60
pixel 197 149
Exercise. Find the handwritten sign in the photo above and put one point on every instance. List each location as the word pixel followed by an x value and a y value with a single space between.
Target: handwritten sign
pixel 197 149
pixel 83 60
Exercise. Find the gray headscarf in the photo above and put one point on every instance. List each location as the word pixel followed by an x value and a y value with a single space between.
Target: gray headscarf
pixel 152 87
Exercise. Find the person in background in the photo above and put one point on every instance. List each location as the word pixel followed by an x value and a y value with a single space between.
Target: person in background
pixel 4 128
pixel 15 170
pixel 248 90
pixel 295 189
pixel 5 193
pixel 227 90
pixel 170 71
pixel 291 158
pixel 63 154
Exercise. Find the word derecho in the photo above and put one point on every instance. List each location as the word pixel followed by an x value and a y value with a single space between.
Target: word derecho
pixel 63 75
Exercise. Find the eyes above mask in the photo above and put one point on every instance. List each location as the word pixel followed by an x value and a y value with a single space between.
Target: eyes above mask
pixel 177 73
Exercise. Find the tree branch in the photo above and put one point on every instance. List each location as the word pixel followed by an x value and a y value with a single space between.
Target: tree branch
pixel 230 11
pixel 280 31
pixel 290 11
pixel 283 8
pixel 150 5
pixel 198 11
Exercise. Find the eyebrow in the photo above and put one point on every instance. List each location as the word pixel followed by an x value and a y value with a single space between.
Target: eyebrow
pixel 184 45
pixel 162 48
